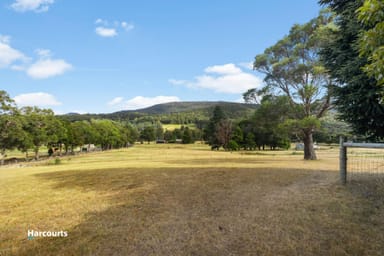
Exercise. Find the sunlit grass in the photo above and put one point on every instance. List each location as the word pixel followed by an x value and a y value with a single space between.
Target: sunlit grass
pixel 171 199
pixel 171 127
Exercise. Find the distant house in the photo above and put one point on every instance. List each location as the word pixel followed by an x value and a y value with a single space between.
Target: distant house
pixel 300 146
pixel 88 148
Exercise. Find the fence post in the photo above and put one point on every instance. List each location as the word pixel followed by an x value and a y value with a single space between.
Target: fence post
pixel 343 162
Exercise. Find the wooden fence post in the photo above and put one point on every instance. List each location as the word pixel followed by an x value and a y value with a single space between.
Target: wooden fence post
pixel 343 162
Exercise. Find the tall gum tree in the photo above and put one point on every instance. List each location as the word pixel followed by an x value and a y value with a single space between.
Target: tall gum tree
pixel 292 67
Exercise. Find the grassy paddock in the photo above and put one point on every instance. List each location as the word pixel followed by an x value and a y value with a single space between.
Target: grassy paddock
pixel 187 200
pixel 171 127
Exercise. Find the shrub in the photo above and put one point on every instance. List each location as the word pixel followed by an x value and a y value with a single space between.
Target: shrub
pixel 57 161
pixel 233 146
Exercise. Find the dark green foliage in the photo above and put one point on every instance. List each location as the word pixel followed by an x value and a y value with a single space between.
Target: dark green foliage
pixel 267 121
pixel 358 97
pixel 148 134
pixel 187 136
pixel 233 146
pixel 83 133
pixel 11 133
pixel 11 125
pixel 238 136
pixel 40 125
pixel 249 141
pixel 371 43
pixel 108 134
pixel 210 133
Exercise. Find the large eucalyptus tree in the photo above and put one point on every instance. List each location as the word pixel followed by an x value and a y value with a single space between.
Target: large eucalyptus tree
pixel 292 67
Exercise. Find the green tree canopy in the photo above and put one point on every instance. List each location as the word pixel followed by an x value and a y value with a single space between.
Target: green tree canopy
pixel 148 134
pixel 11 130
pixel 358 97
pixel 218 116
pixel 39 126
pixel 371 14
pixel 292 67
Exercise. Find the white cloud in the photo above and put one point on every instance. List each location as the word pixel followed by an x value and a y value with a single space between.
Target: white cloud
pixel 178 82
pixel 46 67
pixel 99 21
pixel 143 102
pixel 111 29
pixel 43 53
pixel 139 102
pixel 127 26
pixel 227 78
pixel 115 101
pixel 106 32
pixel 40 99
pixel 247 65
pixel 32 5
pixel 5 39
pixel 226 69
pixel 9 55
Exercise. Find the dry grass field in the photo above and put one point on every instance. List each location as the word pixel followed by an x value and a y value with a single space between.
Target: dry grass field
pixel 187 200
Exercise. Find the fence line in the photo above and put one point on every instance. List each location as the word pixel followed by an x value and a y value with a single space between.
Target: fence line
pixel 343 155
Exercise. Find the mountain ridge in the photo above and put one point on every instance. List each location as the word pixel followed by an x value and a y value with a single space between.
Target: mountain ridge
pixel 204 108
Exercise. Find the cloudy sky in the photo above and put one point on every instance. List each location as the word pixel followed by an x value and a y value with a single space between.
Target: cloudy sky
pixel 104 56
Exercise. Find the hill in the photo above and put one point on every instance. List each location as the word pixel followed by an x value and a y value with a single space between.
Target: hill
pixel 174 112
pixel 188 106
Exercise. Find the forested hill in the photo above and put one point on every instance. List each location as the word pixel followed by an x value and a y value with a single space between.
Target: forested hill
pixel 177 107
pixel 174 112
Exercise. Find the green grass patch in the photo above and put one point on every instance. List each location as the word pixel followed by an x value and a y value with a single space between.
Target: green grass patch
pixel 171 127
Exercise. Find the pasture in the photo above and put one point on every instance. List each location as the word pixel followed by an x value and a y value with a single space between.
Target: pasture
pixel 187 200
pixel 172 127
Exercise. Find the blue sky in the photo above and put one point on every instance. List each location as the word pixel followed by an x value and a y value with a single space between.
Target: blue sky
pixel 105 56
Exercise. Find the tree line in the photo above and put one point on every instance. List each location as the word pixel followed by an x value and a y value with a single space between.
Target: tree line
pixel 268 128
pixel 29 128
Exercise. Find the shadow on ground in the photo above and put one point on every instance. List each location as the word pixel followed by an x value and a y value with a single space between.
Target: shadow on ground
pixel 208 211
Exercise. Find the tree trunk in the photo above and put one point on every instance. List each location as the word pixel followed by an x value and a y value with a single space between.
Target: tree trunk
pixel 2 156
pixel 309 151
pixel 36 153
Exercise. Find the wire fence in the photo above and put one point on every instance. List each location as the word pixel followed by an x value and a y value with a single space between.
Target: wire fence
pixel 361 160
pixel 365 162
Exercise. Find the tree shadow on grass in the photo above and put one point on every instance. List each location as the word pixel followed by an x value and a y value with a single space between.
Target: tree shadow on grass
pixel 211 211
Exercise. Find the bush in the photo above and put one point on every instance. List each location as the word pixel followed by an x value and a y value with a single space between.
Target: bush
pixel 233 146
pixel 57 161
